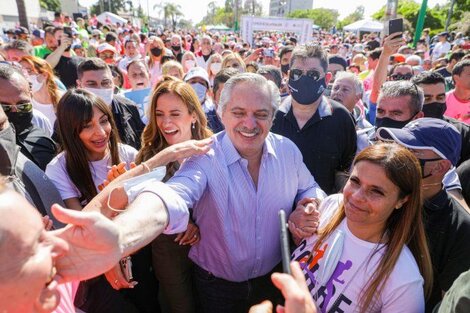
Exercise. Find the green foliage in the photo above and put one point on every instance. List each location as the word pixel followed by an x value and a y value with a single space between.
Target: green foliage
pixel 51 5
pixel 113 6
pixel 325 18
pixel 409 10
pixel 357 15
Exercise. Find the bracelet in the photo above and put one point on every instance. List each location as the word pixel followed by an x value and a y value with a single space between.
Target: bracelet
pixel 144 164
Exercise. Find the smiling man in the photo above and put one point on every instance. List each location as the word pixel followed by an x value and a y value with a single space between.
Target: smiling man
pixel 236 191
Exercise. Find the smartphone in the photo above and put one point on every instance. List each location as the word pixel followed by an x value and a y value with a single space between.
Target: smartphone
pixel 68 32
pixel 395 26
pixel 285 251
pixel 126 268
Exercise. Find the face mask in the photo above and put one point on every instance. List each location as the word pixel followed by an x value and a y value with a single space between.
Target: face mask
pixel 434 109
pixel 389 123
pixel 156 52
pixel 200 90
pixel 109 61
pixel 105 94
pixel 189 64
pixel 306 90
pixel 285 68
pixel 215 68
pixel 21 121
pixel 8 151
pixel 35 84
pixel 176 48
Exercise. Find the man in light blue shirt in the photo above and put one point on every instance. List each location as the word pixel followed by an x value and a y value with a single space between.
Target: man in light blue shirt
pixel 236 191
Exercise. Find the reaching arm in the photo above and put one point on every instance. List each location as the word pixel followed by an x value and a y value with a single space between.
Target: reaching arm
pixel 54 58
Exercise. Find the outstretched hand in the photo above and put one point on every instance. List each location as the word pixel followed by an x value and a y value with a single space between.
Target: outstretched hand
pixel 183 150
pixel 93 244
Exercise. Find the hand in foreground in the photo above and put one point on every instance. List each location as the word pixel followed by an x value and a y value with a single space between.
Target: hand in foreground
pixel 295 291
pixel 114 172
pixel 183 150
pixel 116 278
pixel 190 237
pixel 303 221
pixel 93 244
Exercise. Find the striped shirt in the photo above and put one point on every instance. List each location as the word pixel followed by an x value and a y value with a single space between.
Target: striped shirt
pixel 238 222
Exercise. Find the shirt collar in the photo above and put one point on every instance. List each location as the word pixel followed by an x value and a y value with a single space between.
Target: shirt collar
pixel 231 154
pixel 437 202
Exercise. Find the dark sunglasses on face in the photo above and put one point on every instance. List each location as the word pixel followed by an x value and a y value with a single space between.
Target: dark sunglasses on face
pixel 296 74
pixel 21 108
pixel 401 77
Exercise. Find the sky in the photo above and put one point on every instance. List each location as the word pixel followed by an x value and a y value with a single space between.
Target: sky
pixel 195 10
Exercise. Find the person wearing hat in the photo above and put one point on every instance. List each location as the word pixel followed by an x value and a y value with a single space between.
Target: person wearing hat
pixel 22 33
pixel 198 78
pixel 442 47
pixel 106 52
pixel 38 37
pixel 437 145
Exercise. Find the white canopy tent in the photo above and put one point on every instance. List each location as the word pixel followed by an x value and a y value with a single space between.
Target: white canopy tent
pixel 365 26
pixel 111 17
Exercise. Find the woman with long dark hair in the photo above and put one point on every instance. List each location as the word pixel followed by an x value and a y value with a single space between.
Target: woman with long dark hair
pixel 371 254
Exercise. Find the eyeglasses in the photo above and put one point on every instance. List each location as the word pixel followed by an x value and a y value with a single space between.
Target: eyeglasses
pixel 296 74
pixel 401 77
pixel 20 108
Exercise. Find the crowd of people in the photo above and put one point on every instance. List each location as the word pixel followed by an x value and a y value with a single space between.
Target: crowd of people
pixel 143 170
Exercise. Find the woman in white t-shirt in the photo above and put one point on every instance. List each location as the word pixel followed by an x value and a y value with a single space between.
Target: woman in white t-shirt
pixel 370 254
pixel 46 94
pixel 90 147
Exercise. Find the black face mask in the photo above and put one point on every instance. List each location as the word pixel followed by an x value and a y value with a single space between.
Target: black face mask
pixel 389 123
pixel 435 109
pixel 21 121
pixel 8 151
pixel 285 68
pixel 176 48
pixel 156 52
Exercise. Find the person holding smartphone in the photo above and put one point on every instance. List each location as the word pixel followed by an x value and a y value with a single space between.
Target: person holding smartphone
pixel 61 59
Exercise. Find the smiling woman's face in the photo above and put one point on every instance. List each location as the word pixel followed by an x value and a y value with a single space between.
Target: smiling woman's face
pixel 27 255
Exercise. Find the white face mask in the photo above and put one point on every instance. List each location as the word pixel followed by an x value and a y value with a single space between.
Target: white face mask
pixel 105 94
pixel 200 90
pixel 215 68
pixel 35 84
pixel 189 64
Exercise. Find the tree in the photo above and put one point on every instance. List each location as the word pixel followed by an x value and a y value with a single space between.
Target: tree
pixel 173 13
pixel 409 10
pixel 22 16
pixel 51 5
pixel 325 18
pixel 357 15
pixel 252 7
pixel 113 6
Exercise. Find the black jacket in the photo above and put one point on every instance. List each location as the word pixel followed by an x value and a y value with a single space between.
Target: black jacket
pixel 128 122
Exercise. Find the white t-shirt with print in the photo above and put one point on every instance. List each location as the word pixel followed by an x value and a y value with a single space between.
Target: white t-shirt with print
pixel 57 172
pixel 341 292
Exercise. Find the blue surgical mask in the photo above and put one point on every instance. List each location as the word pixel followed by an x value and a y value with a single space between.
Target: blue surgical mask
pixel 306 90
pixel 200 90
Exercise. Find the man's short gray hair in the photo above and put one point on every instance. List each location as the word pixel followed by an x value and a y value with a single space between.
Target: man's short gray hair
pixel 402 88
pixel 358 86
pixel 257 81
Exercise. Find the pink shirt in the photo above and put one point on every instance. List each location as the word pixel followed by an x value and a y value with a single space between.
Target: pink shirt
pixel 457 109
pixel 67 295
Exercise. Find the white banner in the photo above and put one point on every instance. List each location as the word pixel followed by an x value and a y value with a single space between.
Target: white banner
pixel 303 27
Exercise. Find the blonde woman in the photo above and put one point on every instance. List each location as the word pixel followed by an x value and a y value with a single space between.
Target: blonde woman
pixel 234 60
pixel 155 53
pixel 214 65
pixel 188 61
pixel 173 68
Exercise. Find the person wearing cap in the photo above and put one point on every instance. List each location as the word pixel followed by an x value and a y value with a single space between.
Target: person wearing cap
pixel 198 78
pixel 79 50
pixel 38 37
pixel 22 33
pixel 434 88
pixel 106 52
pixel 437 145
pixel 442 47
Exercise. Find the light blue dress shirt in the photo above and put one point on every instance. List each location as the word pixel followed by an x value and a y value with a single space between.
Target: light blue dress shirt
pixel 238 221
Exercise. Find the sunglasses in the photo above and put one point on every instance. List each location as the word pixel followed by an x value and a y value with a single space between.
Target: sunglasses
pixel 21 108
pixel 401 77
pixel 296 74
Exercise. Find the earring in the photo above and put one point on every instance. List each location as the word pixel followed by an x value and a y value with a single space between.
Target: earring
pixel 194 125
